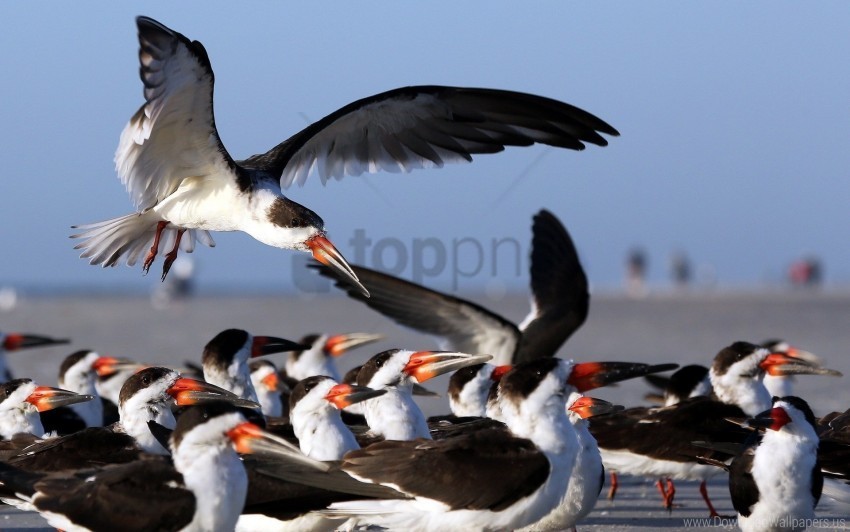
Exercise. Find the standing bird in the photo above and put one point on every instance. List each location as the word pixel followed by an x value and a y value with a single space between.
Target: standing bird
pixel 587 475
pixel 203 491
pixel 78 373
pixel 182 179
pixel 395 415
pixel 225 359
pixel 776 482
pixel 269 387
pixel 499 478
pixel 559 303
pixel 322 349
pixel 21 400
pixel 15 341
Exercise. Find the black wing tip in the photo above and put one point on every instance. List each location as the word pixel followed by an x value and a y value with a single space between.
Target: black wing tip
pixel 145 23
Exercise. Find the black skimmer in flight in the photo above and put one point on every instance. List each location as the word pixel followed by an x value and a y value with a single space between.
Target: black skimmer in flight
pixel 395 415
pixel 225 359
pixel 318 358
pixel 587 475
pixel 559 303
pixel 14 341
pixel 465 482
pixel 658 442
pixel 204 489
pixel 182 179
pixel 21 400
pixel 314 411
pixel 776 481
pixel 147 396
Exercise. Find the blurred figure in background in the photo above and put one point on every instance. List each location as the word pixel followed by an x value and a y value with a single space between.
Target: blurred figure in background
pixel 636 273
pixel 179 285
pixel 806 272
pixel 680 270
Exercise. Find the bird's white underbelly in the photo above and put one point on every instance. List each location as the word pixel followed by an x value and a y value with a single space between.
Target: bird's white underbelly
pixel 204 203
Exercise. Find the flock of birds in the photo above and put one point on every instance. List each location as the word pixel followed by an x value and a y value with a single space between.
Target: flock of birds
pixel 238 443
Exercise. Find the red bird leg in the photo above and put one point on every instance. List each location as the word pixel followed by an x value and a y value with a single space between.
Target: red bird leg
pixel 703 490
pixel 172 255
pixel 662 490
pixel 154 248
pixel 612 491
pixel 671 494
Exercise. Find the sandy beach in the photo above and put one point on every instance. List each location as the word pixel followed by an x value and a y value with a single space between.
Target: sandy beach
pixel 683 328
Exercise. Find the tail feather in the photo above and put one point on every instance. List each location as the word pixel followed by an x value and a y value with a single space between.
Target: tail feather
pixel 124 239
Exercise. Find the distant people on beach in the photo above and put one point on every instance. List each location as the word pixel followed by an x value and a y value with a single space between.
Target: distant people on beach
pixel 636 273
pixel 680 270
pixel 806 273
pixel 179 285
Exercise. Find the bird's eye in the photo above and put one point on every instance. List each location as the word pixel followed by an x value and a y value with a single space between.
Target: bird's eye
pixel 146 380
pixel 296 222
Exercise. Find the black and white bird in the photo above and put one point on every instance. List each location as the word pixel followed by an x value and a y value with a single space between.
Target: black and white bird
pixel 492 479
pixel 184 183
pixel 782 385
pixel 269 387
pixel 318 358
pixel 78 373
pixel 146 398
pixel 588 473
pixel 15 341
pixel 314 411
pixel 21 400
pixel 112 373
pixel 658 443
pixel 395 415
pixel 225 359
pixel 469 388
pixel 776 482
pixel 559 303
pixel 204 489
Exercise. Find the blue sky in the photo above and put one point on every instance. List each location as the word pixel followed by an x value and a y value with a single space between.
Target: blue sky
pixel 734 119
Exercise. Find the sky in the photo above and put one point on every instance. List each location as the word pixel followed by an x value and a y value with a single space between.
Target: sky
pixel 734 122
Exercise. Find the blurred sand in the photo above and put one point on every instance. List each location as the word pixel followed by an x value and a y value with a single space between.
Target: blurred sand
pixel 682 328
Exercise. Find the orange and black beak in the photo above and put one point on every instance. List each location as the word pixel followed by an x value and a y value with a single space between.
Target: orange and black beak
pixel 273 383
pixel 800 354
pixel 345 395
pixel 46 398
pixel 783 364
pixel 773 419
pixel 589 375
pixel 326 253
pixel 106 366
pixel 424 365
pixel 269 345
pixel 188 392
pixel 15 341
pixel 587 407
pixel 249 438
pixel 339 344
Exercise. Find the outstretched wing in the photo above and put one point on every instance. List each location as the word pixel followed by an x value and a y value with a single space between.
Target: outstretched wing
pixel 560 299
pixel 459 324
pixel 173 135
pixel 423 127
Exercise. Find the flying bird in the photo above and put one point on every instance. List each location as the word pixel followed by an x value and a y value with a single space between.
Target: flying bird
pixel 184 183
